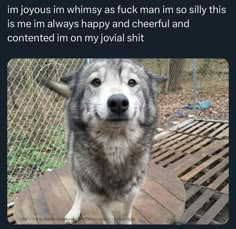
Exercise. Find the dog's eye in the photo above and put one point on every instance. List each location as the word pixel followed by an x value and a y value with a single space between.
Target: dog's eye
pixel 96 82
pixel 132 82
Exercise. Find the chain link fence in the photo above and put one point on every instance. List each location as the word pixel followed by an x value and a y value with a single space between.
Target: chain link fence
pixel 35 114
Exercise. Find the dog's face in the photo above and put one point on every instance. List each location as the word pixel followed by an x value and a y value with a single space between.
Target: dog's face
pixel 112 91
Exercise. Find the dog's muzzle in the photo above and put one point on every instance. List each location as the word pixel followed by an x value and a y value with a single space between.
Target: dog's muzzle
pixel 118 103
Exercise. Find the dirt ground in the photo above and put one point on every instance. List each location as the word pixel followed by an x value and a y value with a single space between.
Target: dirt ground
pixel 170 105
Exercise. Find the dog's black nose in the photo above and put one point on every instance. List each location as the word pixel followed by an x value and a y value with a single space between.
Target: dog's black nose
pixel 118 103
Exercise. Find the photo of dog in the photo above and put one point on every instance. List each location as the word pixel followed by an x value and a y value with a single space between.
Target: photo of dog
pixel 110 119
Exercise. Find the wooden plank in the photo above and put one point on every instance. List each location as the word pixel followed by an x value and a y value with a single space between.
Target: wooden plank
pixel 218 130
pixel 181 144
pixel 163 156
pixel 223 134
pixel 192 191
pixel 174 128
pixel 24 213
pixel 217 182
pixel 211 172
pixel 55 195
pixel 225 189
pixel 186 127
pixel 168 137
pixel 204 165
pixel 70 186
pixel 138 218
pixel 206 132
pixel 193 209
pixel 168 142
pixel 189 160
pixel 195 141
pixel 214 210
pixel 167 180
pixel 154 212
pixel 198 125
pixel 199 130
pixel 164 197
pixel 42 212
pixel 173 159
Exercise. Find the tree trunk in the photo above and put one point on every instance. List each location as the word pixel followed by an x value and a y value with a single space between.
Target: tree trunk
pixel 176 67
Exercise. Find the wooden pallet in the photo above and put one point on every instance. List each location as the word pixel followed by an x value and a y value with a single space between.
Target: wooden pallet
pixel 204 206
pixel 197 151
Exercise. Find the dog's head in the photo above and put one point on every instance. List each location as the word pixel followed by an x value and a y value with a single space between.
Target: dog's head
pixel 113 92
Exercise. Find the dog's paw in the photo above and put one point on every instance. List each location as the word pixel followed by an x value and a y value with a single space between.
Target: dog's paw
pixel 125 221
pixel 72 217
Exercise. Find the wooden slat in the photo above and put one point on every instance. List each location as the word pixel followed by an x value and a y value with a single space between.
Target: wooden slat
pixel 199 125
pixel 188 126
pixel 192 191
pixel 193 209
pixel 164 197
pixel 214 210
pixel 225 189
pixel 163 156
pixel 211 172
pixel 209 129
pixel 177 156
pixel 204 165
pixel 224 133
pixel 189 160
pixel 201 129
pixel 218 130
pixel 163 134
pixel 160 146
pixel 55 193
pixel 167 180
pixel 147 206
pixel 42 212
pixel 217 182
pixel 27 214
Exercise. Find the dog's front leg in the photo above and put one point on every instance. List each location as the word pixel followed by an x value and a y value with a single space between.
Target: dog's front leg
pixel 126 212
pixel 74 213
pixel 105 208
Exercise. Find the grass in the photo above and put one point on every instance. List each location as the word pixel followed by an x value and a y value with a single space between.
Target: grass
pixel 29 157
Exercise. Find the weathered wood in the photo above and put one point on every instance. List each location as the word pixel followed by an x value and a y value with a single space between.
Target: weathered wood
pixel 225 189
pixel 214 210
pixel 203 165
pixel 26 214
pixel 189 160
pixel 188 214
pixel 218 130
pixel 163 134
pixel 211 172
pixel 42 212
pixel 209 130
pixel 51 196
pixel 217 182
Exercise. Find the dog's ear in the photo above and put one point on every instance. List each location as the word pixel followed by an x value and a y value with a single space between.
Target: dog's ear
pixel 157 78
pixel 67 78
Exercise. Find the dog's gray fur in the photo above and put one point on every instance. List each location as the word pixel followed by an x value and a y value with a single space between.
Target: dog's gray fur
pixel 109 154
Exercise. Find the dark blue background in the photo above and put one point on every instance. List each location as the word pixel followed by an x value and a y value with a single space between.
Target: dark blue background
pixel 208 37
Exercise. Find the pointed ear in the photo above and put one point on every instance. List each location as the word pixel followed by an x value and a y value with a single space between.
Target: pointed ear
pixel 67 78
pixel 157 78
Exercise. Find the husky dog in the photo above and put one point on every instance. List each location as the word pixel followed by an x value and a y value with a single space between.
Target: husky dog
pixel 110 119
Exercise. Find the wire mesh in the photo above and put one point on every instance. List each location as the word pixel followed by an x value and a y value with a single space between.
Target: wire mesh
pixel 35 114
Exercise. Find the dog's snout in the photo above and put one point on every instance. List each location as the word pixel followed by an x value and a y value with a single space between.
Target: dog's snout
pixel 118 103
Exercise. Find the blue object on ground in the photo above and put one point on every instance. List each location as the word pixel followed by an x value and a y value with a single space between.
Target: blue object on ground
pixel 180 114
pixel 201 105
